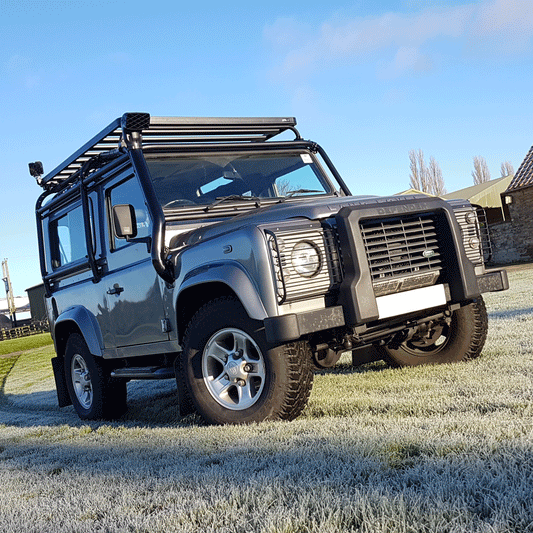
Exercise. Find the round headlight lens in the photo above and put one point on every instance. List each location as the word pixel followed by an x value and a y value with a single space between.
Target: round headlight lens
pixel 305 259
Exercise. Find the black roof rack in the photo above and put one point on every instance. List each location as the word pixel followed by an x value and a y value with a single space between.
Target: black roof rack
pixel 169 131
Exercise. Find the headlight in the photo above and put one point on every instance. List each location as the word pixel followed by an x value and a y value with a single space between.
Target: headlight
pixel 305 258
pixel 305 261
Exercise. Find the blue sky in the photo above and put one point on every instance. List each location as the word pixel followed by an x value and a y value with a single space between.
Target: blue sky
pixel 368 80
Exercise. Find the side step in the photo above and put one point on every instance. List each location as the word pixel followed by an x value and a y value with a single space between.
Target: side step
pixel 144 372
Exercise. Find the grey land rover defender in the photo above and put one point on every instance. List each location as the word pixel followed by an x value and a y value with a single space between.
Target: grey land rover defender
pixel 229 254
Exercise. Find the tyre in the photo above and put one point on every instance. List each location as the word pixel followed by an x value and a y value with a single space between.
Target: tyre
pixel 461 337
pixel 94 394
pixel 233 376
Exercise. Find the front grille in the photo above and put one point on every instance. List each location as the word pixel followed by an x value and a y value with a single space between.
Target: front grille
pixel 402 253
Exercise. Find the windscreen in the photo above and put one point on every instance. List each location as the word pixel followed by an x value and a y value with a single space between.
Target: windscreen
pixel 202 180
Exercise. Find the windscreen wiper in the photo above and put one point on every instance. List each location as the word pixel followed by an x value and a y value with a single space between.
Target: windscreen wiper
pixel 301 191
pixel 290 194
pixel 232 197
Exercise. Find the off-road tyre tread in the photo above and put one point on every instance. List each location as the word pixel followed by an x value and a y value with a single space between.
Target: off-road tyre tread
pixel 112 402
pixel 301 377
pixel 481 321
pixel 185 404
pixel 471 323
pixel 300 373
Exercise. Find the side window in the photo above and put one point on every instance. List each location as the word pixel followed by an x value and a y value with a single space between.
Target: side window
pixel 129 192
pixel 67 236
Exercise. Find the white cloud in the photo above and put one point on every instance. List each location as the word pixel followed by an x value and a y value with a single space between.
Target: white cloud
pixel 285 32
pixel 506 24
pixel 407 59
pixel 405 39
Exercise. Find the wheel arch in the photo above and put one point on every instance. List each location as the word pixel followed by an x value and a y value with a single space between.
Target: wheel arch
pixel 193 298
pixel 207 283
pixel 78 320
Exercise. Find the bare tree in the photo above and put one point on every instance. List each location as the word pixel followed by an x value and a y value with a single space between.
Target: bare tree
pixel 481 172
pixel 425 178
pixel 507 169
pixel 435 180
pixel 284 186
pixel 414 177
pixel 418 177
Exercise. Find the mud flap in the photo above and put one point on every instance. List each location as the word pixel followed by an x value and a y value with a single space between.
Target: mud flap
pixel 185 404
pixel 63 396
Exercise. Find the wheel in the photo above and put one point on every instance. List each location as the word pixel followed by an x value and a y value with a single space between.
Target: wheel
pixel 233 376
pixel 459 338
pixel 93 392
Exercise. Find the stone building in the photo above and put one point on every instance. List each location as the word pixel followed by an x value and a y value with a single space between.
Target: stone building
pixel 513 239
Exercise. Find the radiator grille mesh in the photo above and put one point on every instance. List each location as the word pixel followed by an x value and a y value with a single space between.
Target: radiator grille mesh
pixel 404 249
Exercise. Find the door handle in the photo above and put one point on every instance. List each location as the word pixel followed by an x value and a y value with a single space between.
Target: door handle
pixel 116 289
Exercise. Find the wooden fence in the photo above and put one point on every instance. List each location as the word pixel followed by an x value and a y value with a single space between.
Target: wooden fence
pixel 32 329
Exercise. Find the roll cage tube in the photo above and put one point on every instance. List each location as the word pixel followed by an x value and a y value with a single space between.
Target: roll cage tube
pixel 297 144
pixel 128 132
pixel 80 183
pixel 315 147
pixel 162 267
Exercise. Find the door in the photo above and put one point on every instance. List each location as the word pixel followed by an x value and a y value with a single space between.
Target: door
pixel 134 291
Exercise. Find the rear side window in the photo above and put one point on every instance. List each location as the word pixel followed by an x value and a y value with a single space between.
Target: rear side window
pixel 67 236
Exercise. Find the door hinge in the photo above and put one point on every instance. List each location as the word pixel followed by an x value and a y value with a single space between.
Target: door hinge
pixel 165 325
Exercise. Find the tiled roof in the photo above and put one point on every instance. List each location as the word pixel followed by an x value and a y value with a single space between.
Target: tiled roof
pixel 524 175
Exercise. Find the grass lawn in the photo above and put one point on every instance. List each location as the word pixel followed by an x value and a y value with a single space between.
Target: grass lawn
pixel 11 346
pixel 427 449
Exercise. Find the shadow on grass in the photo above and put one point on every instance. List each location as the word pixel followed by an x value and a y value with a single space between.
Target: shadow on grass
pixel 220 479
pixel 150 404
pixel 517 314
pixel 348 368
pixel 7 362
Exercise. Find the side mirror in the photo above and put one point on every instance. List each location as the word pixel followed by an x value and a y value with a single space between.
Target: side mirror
pixel 124 221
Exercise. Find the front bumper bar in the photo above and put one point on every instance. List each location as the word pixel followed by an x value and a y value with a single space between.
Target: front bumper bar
pixel 492 281
pixel 290 327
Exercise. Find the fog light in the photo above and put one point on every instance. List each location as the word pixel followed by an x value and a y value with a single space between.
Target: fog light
pixel 474 243
pixel 470 218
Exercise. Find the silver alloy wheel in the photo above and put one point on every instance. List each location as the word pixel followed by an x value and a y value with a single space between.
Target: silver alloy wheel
pixel 81 381
pixel 233 369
